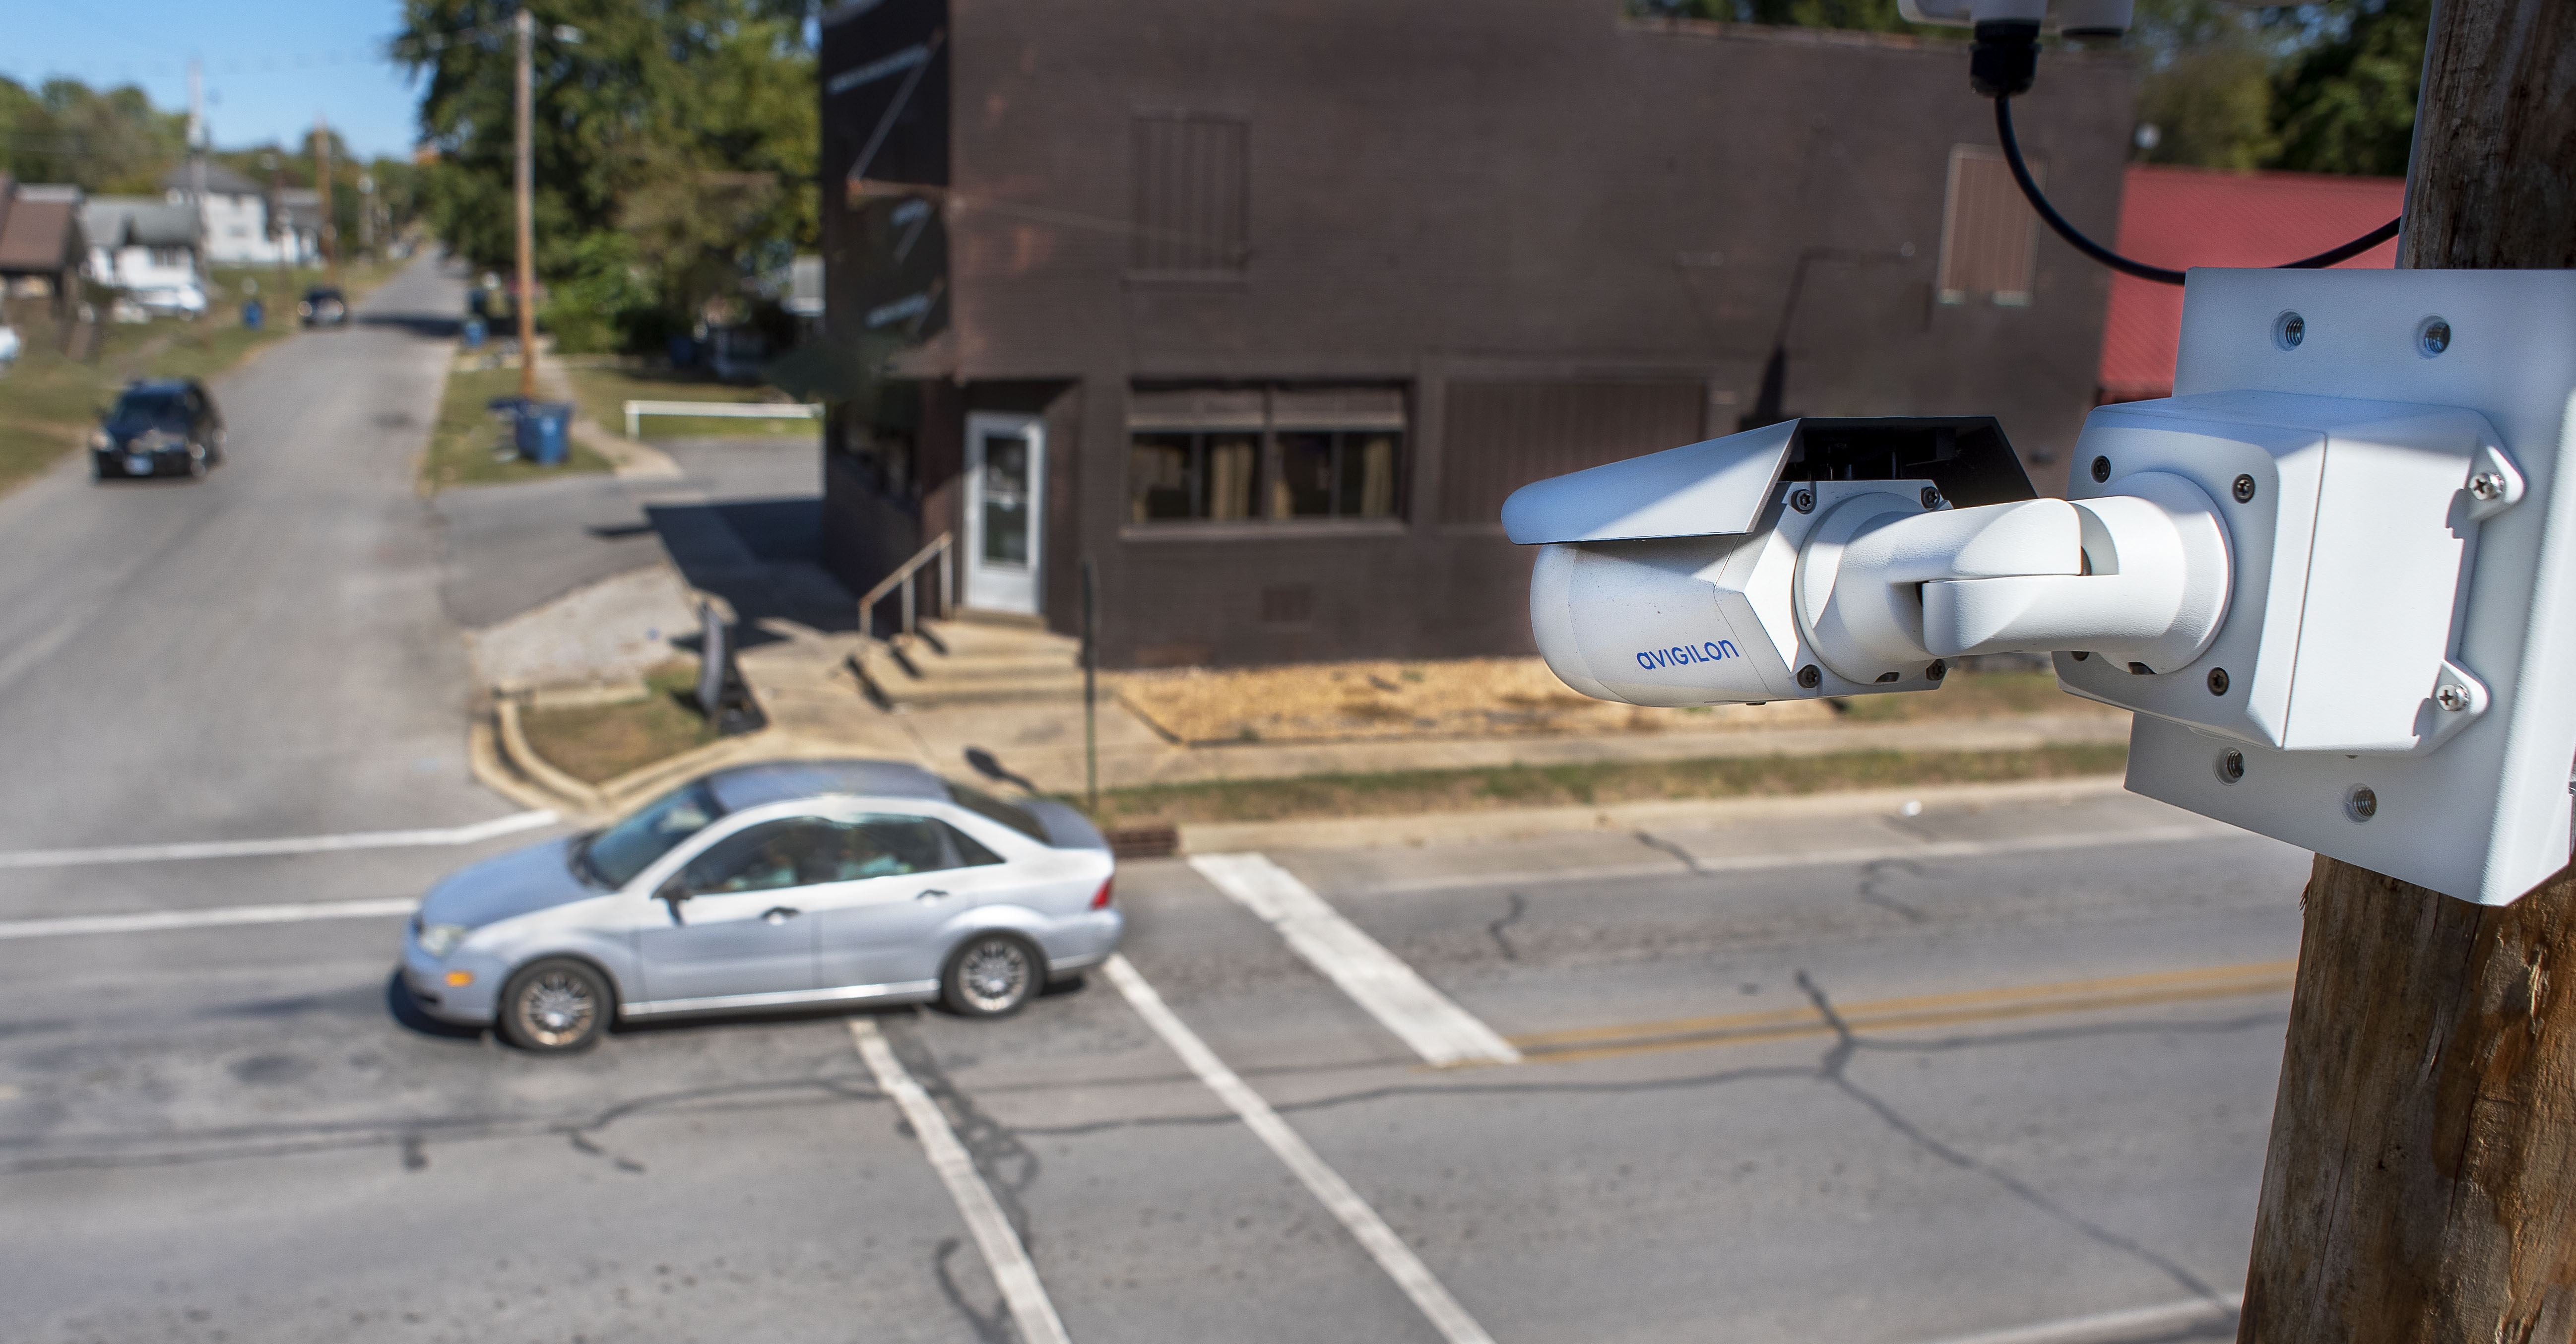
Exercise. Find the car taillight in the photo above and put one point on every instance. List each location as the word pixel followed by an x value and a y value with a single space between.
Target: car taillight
pixel 1101 901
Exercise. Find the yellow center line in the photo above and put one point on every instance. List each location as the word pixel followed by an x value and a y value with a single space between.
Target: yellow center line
pixel 1911 1012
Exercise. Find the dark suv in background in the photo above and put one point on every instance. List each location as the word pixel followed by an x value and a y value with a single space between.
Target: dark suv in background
pixel 159 427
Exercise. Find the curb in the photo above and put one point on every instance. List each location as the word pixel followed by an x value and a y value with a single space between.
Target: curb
pixel 516 748
pixel 493 767
pixel 1430 828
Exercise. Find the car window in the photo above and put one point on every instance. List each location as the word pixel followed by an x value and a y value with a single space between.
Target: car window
pixel 765 857
pixel 888 846
pixel 149 408
pixel 986 805
pixel 614 856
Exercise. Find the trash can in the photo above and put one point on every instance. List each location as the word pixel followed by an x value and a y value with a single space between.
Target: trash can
pixel 253 313
pixel 474 333
pixel 543 430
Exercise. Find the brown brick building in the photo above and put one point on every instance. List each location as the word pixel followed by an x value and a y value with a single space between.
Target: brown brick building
pixel 1265 306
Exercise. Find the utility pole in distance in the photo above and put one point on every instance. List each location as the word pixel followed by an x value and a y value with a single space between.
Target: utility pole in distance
pixel 330 207
pixel 526 26
pixel 2421 1180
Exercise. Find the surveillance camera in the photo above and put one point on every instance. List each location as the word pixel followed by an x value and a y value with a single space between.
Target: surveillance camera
pixel 2328 577
pixel 1853 557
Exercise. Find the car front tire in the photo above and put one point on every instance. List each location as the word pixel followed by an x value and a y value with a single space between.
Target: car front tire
pixel 992 975
pixel 556 1007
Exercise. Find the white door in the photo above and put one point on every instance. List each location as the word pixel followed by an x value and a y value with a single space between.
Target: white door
pixel 1005 488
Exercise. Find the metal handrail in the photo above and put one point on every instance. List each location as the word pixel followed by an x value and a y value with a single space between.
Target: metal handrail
pixel 939 549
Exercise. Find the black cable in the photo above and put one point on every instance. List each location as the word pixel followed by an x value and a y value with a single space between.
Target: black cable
pixel 2104 255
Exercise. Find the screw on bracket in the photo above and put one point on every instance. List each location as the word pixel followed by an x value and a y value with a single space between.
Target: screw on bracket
pixel 2101 469
pixel 2488 486
pixel 1931 498
pixel 1804 501
pixel 1809 677
pixel 2452 698
pixel 2244 489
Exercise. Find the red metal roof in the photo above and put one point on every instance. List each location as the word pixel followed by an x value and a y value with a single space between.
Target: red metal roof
pixel 2184 217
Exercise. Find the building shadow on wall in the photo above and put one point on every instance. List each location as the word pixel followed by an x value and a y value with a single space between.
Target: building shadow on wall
pixel 762 556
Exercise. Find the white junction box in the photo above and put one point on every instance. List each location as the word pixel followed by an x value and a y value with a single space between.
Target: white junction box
pixel 2390 684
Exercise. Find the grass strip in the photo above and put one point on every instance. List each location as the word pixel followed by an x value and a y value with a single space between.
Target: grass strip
pixel 471 446
pixel 1590 783
pixel 597 743
pixel 602 394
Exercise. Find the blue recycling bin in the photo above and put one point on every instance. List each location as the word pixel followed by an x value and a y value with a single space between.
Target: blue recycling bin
pixel 253 313
pixel 544 432
pixel 474 333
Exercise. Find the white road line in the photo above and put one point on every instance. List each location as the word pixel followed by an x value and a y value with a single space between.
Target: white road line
pixel 294 844
pixel 1816 858
pixel 1009 1261
pixel 1394 993
pixel 2110 1326
pixel 155 921
pixel 1371 1231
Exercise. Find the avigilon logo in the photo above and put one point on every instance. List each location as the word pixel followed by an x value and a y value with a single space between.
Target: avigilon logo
pixel 1680 654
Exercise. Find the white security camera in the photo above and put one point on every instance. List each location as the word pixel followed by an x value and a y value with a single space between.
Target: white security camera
pixel 1849 557
pixel 2331 576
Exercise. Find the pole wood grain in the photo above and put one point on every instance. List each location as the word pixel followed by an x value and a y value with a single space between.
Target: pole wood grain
pixel 2420 1185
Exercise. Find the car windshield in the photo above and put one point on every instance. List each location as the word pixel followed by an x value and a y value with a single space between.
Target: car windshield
pixel 613 857
pixel 984 804
pixel 145 410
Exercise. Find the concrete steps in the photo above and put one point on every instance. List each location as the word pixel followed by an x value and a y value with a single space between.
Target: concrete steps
pixel 972 659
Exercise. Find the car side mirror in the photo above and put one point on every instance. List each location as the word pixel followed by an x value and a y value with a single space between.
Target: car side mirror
pixel 672 893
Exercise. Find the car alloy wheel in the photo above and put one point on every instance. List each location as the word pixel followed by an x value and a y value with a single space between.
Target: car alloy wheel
pixel 993 975
pixel 555 1007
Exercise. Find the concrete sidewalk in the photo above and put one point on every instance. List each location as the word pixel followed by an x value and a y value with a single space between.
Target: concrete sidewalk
pixel 812 699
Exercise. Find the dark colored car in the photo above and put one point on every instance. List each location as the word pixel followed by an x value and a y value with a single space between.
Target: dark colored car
pixel 323 307
pixel 160 427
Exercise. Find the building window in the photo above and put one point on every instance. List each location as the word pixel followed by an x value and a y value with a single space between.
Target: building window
pixel 169 256
pixel 1254 455
pixel 1193 196
pixel 1987 230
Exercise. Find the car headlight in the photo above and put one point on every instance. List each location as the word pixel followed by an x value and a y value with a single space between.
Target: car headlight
pixel 99 442
pixel 440 939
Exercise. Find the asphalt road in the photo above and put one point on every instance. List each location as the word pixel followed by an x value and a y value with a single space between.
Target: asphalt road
pixel 2016 1068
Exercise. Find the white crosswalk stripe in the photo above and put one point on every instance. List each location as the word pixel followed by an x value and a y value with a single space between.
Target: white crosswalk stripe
pixel 1377 980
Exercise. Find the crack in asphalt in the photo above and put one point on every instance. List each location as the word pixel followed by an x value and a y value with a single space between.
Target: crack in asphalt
pixel 1832 1070
pixel 1519 907
pixel 1871 872
pixel 414 1136
pixel 993 1327
pixel 1656 842
pixel 1721 1078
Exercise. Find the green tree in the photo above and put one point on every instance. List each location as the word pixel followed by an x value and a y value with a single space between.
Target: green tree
pixel 2205 84
pixel 688 126
pixel 2346 92
pixel 103 140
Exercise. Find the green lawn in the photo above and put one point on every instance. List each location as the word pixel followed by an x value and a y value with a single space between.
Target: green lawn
pixel 465 447
pixel 597 743
pixel 1588 785
pixel 602 394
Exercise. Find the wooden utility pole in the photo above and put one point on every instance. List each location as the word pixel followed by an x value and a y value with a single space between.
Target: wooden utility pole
pixel 330 210
pixel 526 302
pixel 2421 1181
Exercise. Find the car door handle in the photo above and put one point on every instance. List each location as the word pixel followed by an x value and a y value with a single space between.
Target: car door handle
pixel 780 914
pixel 932 894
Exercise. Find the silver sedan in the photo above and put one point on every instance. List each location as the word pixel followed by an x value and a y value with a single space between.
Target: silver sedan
pixel 764 887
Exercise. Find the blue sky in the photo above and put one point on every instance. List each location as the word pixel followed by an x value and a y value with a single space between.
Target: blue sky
pixel 270 66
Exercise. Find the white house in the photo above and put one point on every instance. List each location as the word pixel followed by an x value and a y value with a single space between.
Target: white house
pixel 143 245
pixel 237 217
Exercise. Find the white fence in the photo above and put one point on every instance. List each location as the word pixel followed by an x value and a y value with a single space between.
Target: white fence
pixel 723 410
